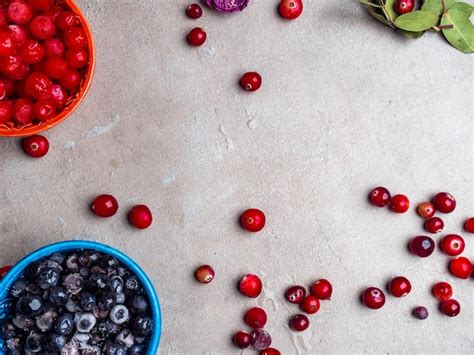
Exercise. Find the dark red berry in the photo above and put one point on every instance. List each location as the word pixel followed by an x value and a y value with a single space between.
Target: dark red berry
pixel 310 305
pixel 55 67
pixel 53 47
pixel 426 210
pixel 469 225
pixel 422 246
pixel 299 322
pixel 44 109
pixel 204 274
pixel 31 51
pixel 404 6
pixel 41 4
pixel 442 291
pixel 434 225
pixel 250 286
pixel 452 244
pixel 270 351
pixel 451 307
pixel 76 58
pixel 322 289
pixel 251 81
pixel 242 340
pixel 399 286
pixel 71 79
pixel 444 202
pixel 261 339
pixel 399 204
pixel 373 298
pixel 255 318
pixel 20 12
pixel 105 206
pixel 290 9
pixel 42 27
pixel 420 312
pixel 252 220
pixel 35 146
pixel 4 270
pixel 194 11
pixel 380 197
pixel 66 20
pixel 140 217
pixel 197 37
pixel 460 267
pixel 295 294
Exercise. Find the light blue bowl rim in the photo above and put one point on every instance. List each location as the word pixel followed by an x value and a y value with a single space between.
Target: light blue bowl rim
pixel 69 245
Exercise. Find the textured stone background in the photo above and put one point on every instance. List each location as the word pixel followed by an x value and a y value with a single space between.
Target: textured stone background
pixel 346 104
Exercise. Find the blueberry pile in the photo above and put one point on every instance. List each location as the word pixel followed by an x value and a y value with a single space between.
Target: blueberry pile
pixel 83 302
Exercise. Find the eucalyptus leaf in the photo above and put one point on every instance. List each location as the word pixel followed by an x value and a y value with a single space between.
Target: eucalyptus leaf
pixel 411 34
pixel 434 6
pixel 390 8
pixel 465 8
pixel 415 21
pixel 461 36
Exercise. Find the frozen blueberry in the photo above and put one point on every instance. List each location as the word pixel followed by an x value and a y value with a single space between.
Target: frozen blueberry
pixel 119 314
pixel 8 331
pixel 47 278
pixel 121 271
pixel 34 342
pixel 54 342
pixel 132 285
pixel 72 263
pixel 13 345
pixel 73 305
pixel 18 288
pixel 74 283
pixel 108 261
pixel 98 282
pixel 84 260
pixel 96 269
pixel 125 338
pixel 105 301
pixel 80 340
pixel 100 314
pixel 45 321
pixel 94 257
pixel 58 296
pixel 23 322
pixel 90 350
pixel 64 324
pixel 120 298
pixel 116 284
pixel 138 304
pixel 58 258
pixel 107 328
pixel 30 305
pixel 142 326
pixel 84 272
pixel 136 350
pixel 114 349
pixel 88 301
pixel 33 289
pixel 84 322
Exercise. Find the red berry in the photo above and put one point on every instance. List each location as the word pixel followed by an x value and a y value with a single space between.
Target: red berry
pixel 5 111
pixel 71 79
pixel 105 206
pixel 42 27
pixel 10 64
pixel 55 67
pixel 194 11
pixel 53 47
pixel 66 20
pixel 422 246
pixel 451 307
pixel 76 58
pixel 53 12
pixel 252 220
pixel 20 12
pixel 242 340
pixel 41 4
pixel 22 111
pixel 58 95
pixel 8 85
pixel 404 6
pixel 4 270
pixel 380 197
pixel 44 109
pixel 310 305
pixel 399 204
pixel 442 291
pixel 322 289
pixel 3 17
pixel 140 217
pixel 290 9
pixel 295 294
pixel 452 244
pixel 469 225
pixel 6 43
pixel 261 339
pixel 420 312
pixel 270 351
pixel 75 38
pixel 434 225
pixel 18 35
pixel 251 81
pixel 255 318
pixel 299 322
pixel 38 85
pixel 35 146
pixel 426 210
pixel 250 286
pixel 204 274
pixel 460 267
pixel 444 202
pixel 197 37
pixel 31 51
pixel 373 298
pixel 399 286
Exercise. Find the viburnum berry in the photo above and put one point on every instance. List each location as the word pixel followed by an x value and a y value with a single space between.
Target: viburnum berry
pixel 444 202
pixel 44 109
pixel 452 244
pixel 42 27
pixel 380 197
pixel 55 67
pixel 442 291
pixel 251 81
pixel 295 294
pixel 422 246
pixel 434 225
pixel 290 9
pixel 140 217
pixel 310 305
pixel 31 51
pixel 322 289
pixel 426 210
pixel 197 37
pixel 250 285
pixel 38 85
pixel 6 43
pixel 22 111
pixel 399 204
pixel 461 267
pixel 469 225
pixel 255 317
pixel 404 6
pixel 36 146
pixel 66 20
pixel 299 322
pixel 270 351
pixel 71 79
pixel 5 111
pixel 76 58
pixel 242 340
pixel 373 298
pixel 53 47
pixel 58 95
pixel 399 286
pixel 105 205
pixel 194 11
pixel 450 307
pixel 20 12
pixel 252 220
pixel 204 274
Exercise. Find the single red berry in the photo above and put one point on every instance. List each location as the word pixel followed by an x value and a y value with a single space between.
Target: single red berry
pixel 242 340
pixel 452 244
pixel 255 317
pixel 444 202
pixel 460 267
pixel 31 51
pixel 41 4
pixel 75 38
pixel 19 12
pixel 420 312
pixel 66 20
pixel 469 225
pixel 322 289
pixel 295 294
pixel 55 67
pixel 422 246
pixel 250 285
pixel 426 210
pixel 451 307
pixel 261 339
pixel 373 298
pixel 4 270
pixel 252 220
pixel 442 291
pixel 18 35
pixel 204 274
pixel 194 11
pixel 105 206
pixel 53 47
pixel 251 81
pixel 399 286
pixel 44 109
pixel 380 197
pixel 5 111
pixel 22 111
pixel 399 204
pixel 35 146
pixel 6 43
pixel 290 9
pixel 58 95
pixel 310 305
pixel 434 225
pixel 76 58
pixel 140 216
pixel 270 351
pixel 71 79
pixel 299 322
pixel 42 27
pixel 38 85
pixel 404 6
pixel 197 37
pixel 9 64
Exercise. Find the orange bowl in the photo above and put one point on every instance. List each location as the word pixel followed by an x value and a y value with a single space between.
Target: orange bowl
pixel 10 130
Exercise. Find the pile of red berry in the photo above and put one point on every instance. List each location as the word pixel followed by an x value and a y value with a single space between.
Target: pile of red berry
pixel 43 56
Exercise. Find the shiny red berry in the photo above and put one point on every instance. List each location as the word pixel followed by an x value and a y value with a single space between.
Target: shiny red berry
pixel 290 9
pixel 442 291
pixel 140 217
pixel 460 267
pixel 399 286
pixel 322 289
pixel 204 274
pixel 242 340
pixel 75 38
pixel 35 146
pixel 251 81
pixel 20 12
pixel 295 294
pixel 451 307
pixel 404 6
pixel 71 79
pixel 255 317
pixel 18 35
pixel 22 111
pixel 469 225
pixel 105 206
pixel 42 27
pixel 197 37
pixel 250 285
pixel 76 58
pixel 66 20
pixel 444 202
pixel 55 67
pixel 270 351
pixel 299 322
pixel 426 210
pixel 380 197
pixel 38 85
pixel 452 244
pixel 53 47
pixel 58 95
pixel 399 204
pixel 5 111
pixel 44 109
pixel 4 270
pixel 422 246
pixel 31 51
pixel 6 43
pixel 434 225
pixel 310 305
pixel 252 220
pixel 373 298
pixel 194 11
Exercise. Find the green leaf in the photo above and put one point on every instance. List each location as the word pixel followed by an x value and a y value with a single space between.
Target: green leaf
pixel 416 21
pixel 378 17
pixel 465 8
pixel 411 34
pixel 461 36
pixel 434 6
pixel 390 8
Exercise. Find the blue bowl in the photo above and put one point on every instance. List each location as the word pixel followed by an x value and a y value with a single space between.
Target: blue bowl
pixel 17 271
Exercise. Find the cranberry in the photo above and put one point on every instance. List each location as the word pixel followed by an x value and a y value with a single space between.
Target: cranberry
pixel 451 307
pixel 22 111
pixel 197 37
pixel 399 286
pixel 442 291
pixel 469 225
pixel 38 85
pixel 194 11
pixel 255 318
pixel 35 146
pixel 9 86
pixel 261 339
pixel 460 267
pixel 58 95
pixel 250 286
pixel 21 72
pixel 42 27
pixel 9 64
pixel 270 351
pixel 6 43
pixel 53 47
pixel 55 67
pixel 204 274
pixel 20 12
pixel 290 9
pixel 140 216
pixel 66 20
pixel 242 340
pixel 444 202
pixel 310 305
pixel 434 225
pixel 399 204
pixel 252 220
pixel 322 289
pixel 452 244
pixel 44 109
pixel 75 38
pixel 31 51
pixel 299 322
pixel 373 298
pixel 380 197
pixel 105 206
pixel 426 210
pixel 4 270
pixel 71 79
pixel 422 246
pixel 295 294
pixel 251 81
pixel 404 6
pixel 18 35
pixel 53 12
pixel 5 111
pixel 76 58
pixel 420 312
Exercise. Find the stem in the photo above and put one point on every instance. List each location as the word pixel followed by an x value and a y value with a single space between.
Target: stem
pixel 444 6
pixel 369 4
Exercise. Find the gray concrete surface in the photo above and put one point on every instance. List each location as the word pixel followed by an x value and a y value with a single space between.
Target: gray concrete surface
pixel 346 104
